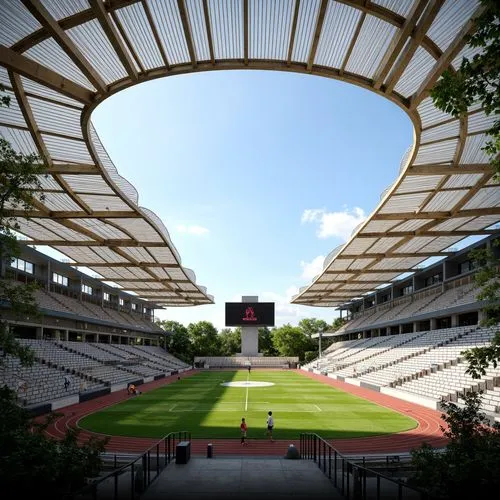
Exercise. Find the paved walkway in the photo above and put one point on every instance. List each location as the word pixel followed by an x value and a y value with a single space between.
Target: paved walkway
pixel 242 479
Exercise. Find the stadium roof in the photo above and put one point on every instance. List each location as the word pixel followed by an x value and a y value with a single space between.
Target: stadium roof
pixel 59 60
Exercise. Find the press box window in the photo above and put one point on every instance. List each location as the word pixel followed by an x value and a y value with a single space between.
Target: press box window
pixel 22 265
pixel 122 302
pixel 86 289
pixel 60 279
pixel 106 296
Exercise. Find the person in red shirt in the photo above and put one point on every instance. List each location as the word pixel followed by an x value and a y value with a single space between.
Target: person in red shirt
pixel 243 429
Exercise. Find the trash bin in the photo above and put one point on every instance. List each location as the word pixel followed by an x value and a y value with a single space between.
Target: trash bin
pixel 209 450
pixel 183 452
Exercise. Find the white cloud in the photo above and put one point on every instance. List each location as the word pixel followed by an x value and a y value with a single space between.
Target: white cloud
pixel 339 224
pixel 196 230
pixel 313 268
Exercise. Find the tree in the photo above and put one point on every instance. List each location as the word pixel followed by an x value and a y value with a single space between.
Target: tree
pixel 19 180
pixel 177 340
pixel 469 465
pixel 31 462
pixel 487 279
pixel 312 326
pixel 266 345
pixel 204 339
pixel 291 341
pixel 477 79
pixel 230 341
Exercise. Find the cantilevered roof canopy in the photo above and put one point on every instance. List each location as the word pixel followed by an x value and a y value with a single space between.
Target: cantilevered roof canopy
pixel 59 60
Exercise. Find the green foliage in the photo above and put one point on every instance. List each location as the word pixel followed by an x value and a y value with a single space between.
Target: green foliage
pixel 291 341
pixel 311 326
pixel 204 339
pixel 310 356
pixel 230 341
pixel 178 342
pixel 487 280
pixel 31 462
pixel 468 467
pixel 266 346
pixel 477 78
pixel 4 99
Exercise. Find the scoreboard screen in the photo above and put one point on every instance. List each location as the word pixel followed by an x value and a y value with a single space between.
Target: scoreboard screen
pixel 249 313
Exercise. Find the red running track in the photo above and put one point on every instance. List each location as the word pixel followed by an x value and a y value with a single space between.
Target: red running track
pixel 428 428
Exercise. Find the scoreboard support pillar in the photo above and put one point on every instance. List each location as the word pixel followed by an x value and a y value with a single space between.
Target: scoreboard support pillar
pixel 249 334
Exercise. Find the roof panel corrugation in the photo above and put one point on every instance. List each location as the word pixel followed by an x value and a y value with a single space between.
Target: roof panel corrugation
pixel 59 10
pixel 13 114
pixel 69 150
pixel 138 254
pixel 138 31
pixel 15 22
pixel 473 152
pixel 306 24
pixel 445 131
pixel 49 54
pixel 31 87
pixel 411 225
pixel 80 253
pixel 443 200
pixel 467 52
pixel 123 185
pixel 4 77
pixel 480 122
pixel 169 25
pixel 439 152
pixel 100 228
pixel 176 273
pixel 163 230
pixel 375 34
pixel 415 73
pixel 20 140
pixel 270 24
pixel 199 29
pixel 338 29
pixel 401 7
pixel 60 202
pixel 226 18
pixel 53 118
pixel 384 244
pixel 449 21
pixel 359 245
pixel 63 232
pixel 379 226
pixel 485 198
pixel 339 265
pixel 138 228
pixel 359 263
pixel 97 49
pixel 403 204
pixel 418 183
pixel 48 182
pixel 415 244
pixel 88 184
pixel 481 222
pixel 458 181
pixel 442 243
pixel 110 255
pixel 356 286
pixel 34 230
pixel 398 262
pixel 451 224
pixel 430 115
pixel 98 203
pixel 162 254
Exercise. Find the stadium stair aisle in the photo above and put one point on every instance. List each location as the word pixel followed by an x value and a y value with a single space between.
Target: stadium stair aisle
pixel 242 479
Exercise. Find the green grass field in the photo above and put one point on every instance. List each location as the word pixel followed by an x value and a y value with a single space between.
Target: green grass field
pixel 200 404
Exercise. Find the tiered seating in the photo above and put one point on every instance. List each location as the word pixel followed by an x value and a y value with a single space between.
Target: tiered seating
pixel 243 361
pixel 40 382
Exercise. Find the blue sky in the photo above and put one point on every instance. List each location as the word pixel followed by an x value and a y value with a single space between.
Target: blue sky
pixel 256 175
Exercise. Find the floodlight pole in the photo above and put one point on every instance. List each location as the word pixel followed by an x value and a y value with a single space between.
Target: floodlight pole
pixel 320 332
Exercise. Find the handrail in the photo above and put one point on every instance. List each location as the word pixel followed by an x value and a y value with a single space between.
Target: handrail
pixel 350 478
pixel 130 480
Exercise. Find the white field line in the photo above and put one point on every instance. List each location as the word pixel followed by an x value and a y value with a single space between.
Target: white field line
pixel 318 408
pixel 173 406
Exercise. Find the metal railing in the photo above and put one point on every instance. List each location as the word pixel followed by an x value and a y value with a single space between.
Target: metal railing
pixel 132 479
pixel 354 480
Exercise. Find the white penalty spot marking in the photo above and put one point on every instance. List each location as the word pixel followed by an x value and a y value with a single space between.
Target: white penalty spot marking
pixel 318 408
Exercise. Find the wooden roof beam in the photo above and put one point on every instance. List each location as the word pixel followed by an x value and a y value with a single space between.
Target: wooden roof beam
pixel 114 38
pixel 424 233
pixel 124 264
pixel 94 243
pixel 398 42
pixel 445 60
pixel 187 31
pixel 293 32
pixel 418 35
pixel 474 212
pixel 41 74
pixel 394 254
pixel 317 34
pixel 43 16
pixel 208 27
pixel 73 169
pixel 455 169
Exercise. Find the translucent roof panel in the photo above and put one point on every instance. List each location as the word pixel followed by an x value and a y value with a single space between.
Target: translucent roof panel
pixel 59 60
